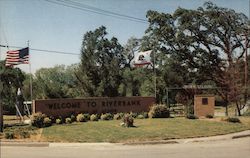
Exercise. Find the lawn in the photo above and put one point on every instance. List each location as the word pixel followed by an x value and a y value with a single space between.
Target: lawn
pixel 145 130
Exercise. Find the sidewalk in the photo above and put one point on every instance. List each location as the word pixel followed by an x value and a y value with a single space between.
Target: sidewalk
pixel 172 141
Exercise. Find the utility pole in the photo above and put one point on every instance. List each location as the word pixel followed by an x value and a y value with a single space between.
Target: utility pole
pixel 246 66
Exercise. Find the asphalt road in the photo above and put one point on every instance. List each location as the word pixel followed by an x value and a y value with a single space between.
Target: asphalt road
pixel 233 148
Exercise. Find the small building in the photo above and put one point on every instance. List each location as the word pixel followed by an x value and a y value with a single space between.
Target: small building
pixel 204 105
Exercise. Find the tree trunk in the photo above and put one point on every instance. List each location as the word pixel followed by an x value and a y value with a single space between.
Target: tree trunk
pixel 226 112
pixel 226 106
pixel 238 108
pixel 1 116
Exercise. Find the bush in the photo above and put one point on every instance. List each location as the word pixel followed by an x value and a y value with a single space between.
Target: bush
pixel 233 120
pixel 73 118
pixel 86 116
pixel 159 111
pixel 68 120
pixel 47 122
pixel 93 117
pixel 24 134
pixel 81 118
pixel 133 114
pixel 106 116
pixel 117 116
pixel 37 119
pixel 9 135
pixel 140 116
pixel 128 121
pixel 58 121
pixel 191 116
pixel 145 114
pixel 53 119
pixel 209 116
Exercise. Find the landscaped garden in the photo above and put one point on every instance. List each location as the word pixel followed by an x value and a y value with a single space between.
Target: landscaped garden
pixel 121 127
pixel 144 130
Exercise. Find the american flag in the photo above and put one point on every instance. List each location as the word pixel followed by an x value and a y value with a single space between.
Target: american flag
pixel 16 57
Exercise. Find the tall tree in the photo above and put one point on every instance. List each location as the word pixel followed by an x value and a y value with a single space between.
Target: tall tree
pixel 135 79
pixel 11 79
pixel 208 41
pixel 102 61
pixel 56 82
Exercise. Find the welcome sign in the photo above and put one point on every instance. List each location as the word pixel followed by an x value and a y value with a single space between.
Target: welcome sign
pixel 96 105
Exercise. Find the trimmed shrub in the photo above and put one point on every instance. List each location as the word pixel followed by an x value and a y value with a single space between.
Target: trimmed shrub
pixel 209 116
pixel 86 116
pixel 117 116
pixel 159 111
pixel 133 114
pixel 73 118
pixel 93 117
pixel 107 116
pixel 191 116
pixel 140 116
pixel 145 114
pixel 128 121
pixel 122 114
pixel 68 120
pixel 47 122
pixel 81 118
pixel 233 120
pixel 53 119
pixel 58 121
pixel 37 119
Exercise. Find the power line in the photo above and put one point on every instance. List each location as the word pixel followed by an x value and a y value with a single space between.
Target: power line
pixel 42 50
pixel 101 10
pixel 87 8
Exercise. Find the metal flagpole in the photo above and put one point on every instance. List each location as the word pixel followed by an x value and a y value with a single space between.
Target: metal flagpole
pixel 31 93
pixel 1 106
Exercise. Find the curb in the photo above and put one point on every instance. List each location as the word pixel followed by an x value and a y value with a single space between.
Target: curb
pixel 152 142
pixel 241 136
pixel 83 144
pixel 24 144
pixel 229 136
pixel 173 141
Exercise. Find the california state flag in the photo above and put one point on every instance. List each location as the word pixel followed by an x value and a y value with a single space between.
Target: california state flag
pixel 142 58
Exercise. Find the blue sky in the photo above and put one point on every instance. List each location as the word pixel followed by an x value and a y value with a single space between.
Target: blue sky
pixel 54 27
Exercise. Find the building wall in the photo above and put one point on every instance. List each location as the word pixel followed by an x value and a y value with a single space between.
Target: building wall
pixel 204 105
pixel 96 105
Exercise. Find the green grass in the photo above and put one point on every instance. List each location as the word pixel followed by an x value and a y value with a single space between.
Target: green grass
pixel 146 129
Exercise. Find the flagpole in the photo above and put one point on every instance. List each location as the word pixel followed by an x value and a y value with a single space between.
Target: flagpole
pixel 31 93
pixel 1 106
